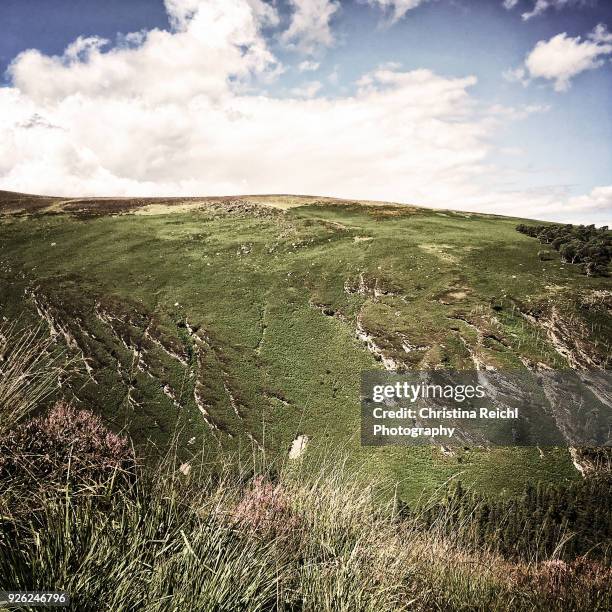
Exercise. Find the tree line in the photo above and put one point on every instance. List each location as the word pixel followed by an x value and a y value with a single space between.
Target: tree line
pixel 533 524
pixel 585 245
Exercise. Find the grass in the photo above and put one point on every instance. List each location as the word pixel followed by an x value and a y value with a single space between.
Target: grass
pixel 303 536
pixel 272 364
pixel 242 532
pixel 30 368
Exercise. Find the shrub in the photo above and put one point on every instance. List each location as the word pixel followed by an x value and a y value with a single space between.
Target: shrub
pixel 66 443
pixel 266 508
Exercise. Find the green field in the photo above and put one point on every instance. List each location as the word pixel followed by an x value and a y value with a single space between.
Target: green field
pixel 247 322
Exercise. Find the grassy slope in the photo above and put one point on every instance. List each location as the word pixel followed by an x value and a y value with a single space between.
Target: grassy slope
pixel 272 296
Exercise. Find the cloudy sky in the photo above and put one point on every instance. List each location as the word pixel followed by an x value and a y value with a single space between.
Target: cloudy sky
pixel 500 106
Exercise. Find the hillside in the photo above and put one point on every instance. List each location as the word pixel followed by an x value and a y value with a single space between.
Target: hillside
pixel 247 320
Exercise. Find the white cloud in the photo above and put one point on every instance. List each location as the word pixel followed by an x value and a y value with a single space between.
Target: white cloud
pixel 541 6
pixel 184 113
pixel 406 136
pixel 600 199
pixel 310 27
pixel 308 66
pixel 519 113
pixel 516 75
pixel 181 13
pixel 550 203
pixel 219 41
pixel 594 207
pixel 600 34
pixel 307 90
pixel 563 57
pixel 396 9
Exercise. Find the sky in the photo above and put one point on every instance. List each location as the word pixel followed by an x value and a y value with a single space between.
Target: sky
pixel 498 106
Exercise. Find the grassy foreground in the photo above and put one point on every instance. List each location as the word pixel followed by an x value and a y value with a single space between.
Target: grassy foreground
pixel 294 539
pixel 77 513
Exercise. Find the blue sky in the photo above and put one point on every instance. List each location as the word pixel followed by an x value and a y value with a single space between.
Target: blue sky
pixel 491 105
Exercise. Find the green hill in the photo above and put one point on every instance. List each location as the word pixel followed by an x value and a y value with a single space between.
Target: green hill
pixel 247 321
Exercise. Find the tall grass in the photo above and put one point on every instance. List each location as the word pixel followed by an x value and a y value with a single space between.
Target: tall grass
pixel 29 372
pixel 309 535
pixel 78 514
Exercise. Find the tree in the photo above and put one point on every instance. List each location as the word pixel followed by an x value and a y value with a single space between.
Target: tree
pixel 569 251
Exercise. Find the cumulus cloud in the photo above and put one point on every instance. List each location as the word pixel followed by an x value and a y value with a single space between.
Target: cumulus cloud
pixel 404 136
pixel 218 41
pixel 396 9
pixel 563 57
pixel 310 27
pixel 551 203
pixel 186 112
pixel 517 75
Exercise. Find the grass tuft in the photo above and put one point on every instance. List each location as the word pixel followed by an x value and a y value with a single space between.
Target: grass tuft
pixel 30 369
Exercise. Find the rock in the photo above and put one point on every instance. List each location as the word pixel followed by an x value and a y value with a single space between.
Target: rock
pixel 298 446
